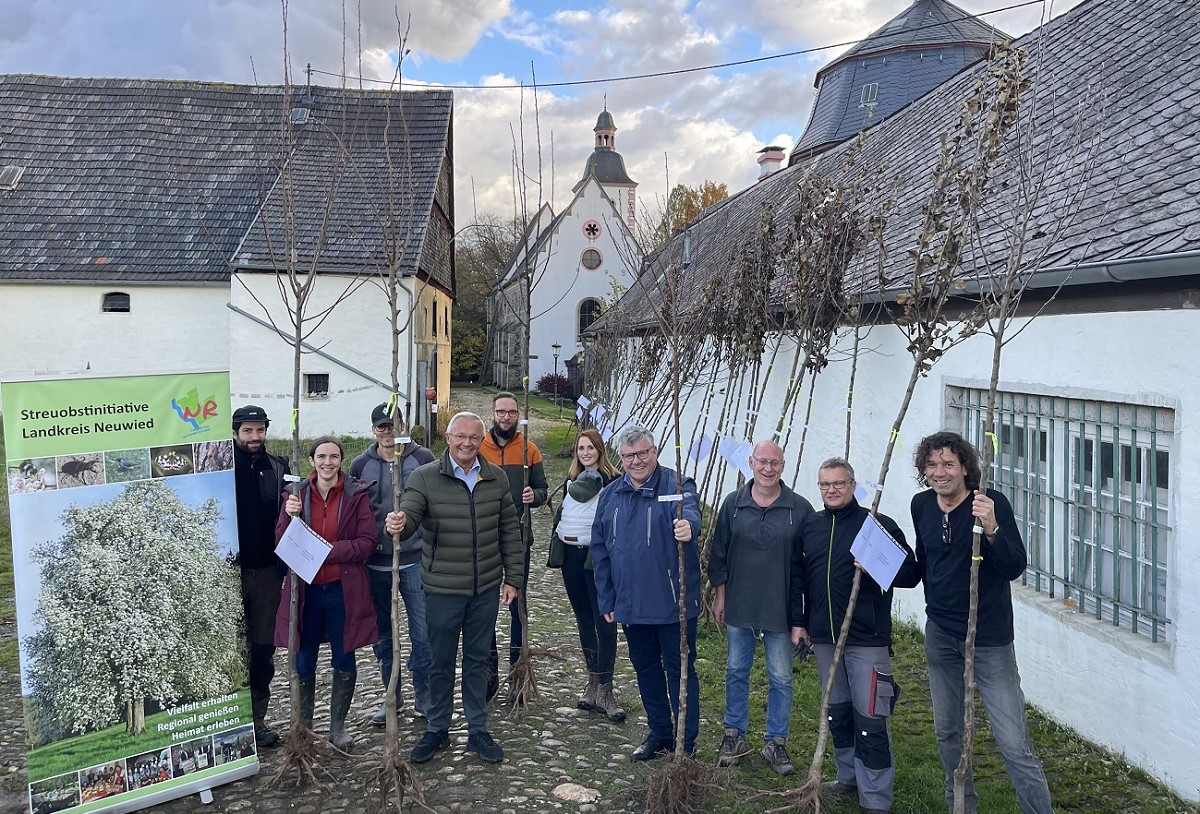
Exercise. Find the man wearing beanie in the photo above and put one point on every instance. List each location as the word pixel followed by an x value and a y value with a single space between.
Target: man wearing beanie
pixel 380 466
pixel 258 476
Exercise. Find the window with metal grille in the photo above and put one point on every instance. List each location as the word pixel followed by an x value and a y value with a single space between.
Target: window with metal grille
pixel 1090 483
pixel 316 385
pixel 589 312
pixel 115 302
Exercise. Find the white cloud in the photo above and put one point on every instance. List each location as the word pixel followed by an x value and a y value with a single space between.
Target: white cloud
pixel 222 39
pixel 709 125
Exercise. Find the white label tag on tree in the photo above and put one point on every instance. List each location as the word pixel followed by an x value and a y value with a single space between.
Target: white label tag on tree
pixel 670 498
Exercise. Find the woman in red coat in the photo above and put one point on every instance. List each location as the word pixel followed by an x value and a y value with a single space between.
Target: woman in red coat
pixel 337 606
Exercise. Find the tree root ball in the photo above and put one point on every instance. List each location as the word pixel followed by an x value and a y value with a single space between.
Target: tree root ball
pixel 682 786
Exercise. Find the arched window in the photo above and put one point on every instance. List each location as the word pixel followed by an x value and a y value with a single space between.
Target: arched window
pixel 115 302
pixel 589 312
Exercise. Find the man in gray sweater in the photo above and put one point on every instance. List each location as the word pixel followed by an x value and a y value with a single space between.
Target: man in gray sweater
pixel 757 537
pixel 380 466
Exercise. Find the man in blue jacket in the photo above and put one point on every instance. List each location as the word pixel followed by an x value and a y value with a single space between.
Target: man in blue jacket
pixel 380 466
pixel 634 552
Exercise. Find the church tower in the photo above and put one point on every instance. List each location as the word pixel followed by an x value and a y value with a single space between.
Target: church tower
pixel 608 168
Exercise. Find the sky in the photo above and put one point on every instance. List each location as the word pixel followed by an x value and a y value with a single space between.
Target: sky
pixel 688 128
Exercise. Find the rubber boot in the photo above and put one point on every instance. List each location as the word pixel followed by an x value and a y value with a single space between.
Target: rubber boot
pixel 385 672
pixel 308 690
pixel 340 697
pixel 606 702
pixel 588 699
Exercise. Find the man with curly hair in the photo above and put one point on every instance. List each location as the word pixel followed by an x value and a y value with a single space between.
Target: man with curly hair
pixel 945 517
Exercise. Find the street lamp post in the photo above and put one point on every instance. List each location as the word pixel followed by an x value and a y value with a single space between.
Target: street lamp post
pixel 556 348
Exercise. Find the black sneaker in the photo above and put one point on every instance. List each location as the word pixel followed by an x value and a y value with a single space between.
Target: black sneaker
pixel 482 744
pixel 838 789
pixel 651 748
pixel 265 735
pixel 429 743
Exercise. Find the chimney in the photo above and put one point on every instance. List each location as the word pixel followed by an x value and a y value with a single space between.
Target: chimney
pixel 769 158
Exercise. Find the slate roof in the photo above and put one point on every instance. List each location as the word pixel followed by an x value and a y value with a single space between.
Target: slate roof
pixel 607 166
pixel 1143 194
pixel 164 181
pixel 926 23
pixel 907 57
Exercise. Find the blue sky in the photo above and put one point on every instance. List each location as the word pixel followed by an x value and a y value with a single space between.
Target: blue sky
pixel 679 129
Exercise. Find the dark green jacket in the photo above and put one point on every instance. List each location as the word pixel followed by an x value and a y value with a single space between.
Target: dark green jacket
pixel 472 540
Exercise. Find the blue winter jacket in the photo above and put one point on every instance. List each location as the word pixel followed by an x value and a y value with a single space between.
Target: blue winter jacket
pixel 634 554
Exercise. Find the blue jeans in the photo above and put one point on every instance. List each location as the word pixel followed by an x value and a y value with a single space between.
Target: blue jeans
pixel 777 645
pixel 419 657
pixel 999 686
pixel 654 652
pixel 323 618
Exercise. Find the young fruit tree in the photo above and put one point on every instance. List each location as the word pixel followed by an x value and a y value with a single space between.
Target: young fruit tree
pixel 964 166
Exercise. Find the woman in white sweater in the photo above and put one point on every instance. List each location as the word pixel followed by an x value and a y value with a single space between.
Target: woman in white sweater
pixel 590 471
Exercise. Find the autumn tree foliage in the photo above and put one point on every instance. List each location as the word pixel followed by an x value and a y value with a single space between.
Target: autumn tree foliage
pixel 684 204
pixel 137 605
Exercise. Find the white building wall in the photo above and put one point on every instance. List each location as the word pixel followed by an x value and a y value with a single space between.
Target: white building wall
pixel 1114 687
pixel 561 282
pixel 57 329
pixel 356 336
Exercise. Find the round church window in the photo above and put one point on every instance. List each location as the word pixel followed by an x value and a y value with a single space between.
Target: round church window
pixel 591 259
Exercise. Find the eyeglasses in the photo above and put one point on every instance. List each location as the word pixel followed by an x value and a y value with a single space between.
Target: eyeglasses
pixel 833 485
pixel 640 455
pixel 771 462
pixel 507 413
pixel 385 427
pixel 460 438
pixel 945 528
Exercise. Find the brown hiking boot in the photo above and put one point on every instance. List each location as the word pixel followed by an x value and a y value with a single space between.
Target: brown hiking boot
pixel 606 702
pixel 588 699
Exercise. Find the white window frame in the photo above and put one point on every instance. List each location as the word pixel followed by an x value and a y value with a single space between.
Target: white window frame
pixel 316 395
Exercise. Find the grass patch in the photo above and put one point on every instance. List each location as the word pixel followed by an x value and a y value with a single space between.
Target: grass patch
pixel 1083 777
pixel 73 753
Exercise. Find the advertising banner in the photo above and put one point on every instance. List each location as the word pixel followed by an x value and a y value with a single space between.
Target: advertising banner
pixel 124 534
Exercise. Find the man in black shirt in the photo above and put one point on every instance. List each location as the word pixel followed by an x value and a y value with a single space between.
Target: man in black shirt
pixel 944 517
pixel 864 692
pixel 259 480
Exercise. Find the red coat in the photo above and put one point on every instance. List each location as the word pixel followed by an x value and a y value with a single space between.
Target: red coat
pixel 354 544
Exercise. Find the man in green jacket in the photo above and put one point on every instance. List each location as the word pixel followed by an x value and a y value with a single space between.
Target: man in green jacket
pixel 472 559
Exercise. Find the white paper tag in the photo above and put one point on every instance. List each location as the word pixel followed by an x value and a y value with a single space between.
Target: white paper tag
pixel 670 498
pixel 404 439
pixel 523 422
pixel 292 478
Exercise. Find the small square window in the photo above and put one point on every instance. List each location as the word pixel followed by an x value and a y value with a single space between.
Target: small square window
pixel 870 94
pixel 115 302
pixel 316 385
